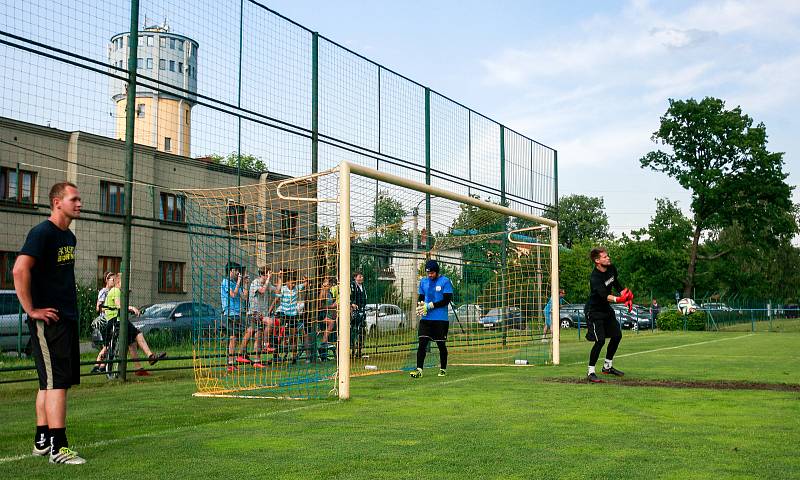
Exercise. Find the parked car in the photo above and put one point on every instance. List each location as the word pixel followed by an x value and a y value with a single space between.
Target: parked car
pixel 572 315
pixel 179 318
pixel 716 306
pixel 9 323
pixel 384 317
pixel 638 318
pixel 466 314
pixel 510 317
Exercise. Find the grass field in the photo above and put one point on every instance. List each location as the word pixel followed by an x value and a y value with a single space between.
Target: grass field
pixel 695 418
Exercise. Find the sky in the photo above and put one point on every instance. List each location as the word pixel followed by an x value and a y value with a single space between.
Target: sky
pixel 588 78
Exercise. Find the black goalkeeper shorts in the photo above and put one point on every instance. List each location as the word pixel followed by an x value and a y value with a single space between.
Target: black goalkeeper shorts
pixel 602 325
pixel 436 330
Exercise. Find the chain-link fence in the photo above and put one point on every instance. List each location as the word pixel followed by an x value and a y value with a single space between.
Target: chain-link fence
pixel 226 93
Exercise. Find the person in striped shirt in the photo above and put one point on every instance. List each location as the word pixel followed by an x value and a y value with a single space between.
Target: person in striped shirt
pixel 288 293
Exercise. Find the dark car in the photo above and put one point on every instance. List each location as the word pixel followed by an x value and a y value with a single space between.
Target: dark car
pixel 178 318
pixel 571 315
pixel 510 317
pixel 13 333
pixel 637 318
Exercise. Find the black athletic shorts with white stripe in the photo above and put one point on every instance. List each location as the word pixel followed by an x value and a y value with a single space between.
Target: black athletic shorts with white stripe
pixel 601 325
pixel 434 329
pixel 56 352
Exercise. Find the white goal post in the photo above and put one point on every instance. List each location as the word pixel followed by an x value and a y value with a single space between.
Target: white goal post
pixel 346 171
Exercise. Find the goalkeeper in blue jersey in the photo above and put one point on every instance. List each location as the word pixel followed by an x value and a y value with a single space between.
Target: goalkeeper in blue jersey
pixel 435 293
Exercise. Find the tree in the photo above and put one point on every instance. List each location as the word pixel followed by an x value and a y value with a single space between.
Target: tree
pixel 389 214
pixel 581 218
pixel 723 160
pixel 249 162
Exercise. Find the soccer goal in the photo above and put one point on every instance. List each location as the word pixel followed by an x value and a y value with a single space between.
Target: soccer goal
pixel 337 258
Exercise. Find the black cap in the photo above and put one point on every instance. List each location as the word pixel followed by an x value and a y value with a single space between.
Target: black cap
pixel 432 266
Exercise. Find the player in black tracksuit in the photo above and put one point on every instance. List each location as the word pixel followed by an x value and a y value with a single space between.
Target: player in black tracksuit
pixel 602 323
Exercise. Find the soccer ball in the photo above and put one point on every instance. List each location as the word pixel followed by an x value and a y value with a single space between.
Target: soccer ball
pixel 687 306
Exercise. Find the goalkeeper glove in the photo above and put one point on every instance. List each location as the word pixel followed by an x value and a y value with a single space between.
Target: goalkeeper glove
pixel 624 296
pixel 423 308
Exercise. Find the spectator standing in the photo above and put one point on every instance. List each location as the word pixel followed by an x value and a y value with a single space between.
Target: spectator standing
pixel 44 278
pixel 230 291
pixel 358 313
pixel 548 308
pixel 655 309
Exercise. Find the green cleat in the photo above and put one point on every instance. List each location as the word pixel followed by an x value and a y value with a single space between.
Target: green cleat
pixel 416 373
pixel 442 372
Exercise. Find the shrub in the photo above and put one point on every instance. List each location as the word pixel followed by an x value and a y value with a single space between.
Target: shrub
pixel 87 299
pixel 674 320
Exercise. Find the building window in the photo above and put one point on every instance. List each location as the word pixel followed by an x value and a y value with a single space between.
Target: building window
pixel 149 63
pixel 167 144
pixel 112 198
pixel 107 264
pixel 162 41
pixel 139 63
pixel 170 277
pixel 172 43
pixel 172 207
pixel 140 110
pixel 236 217
pixel 162 64
pixel 188 112
pixel 172 65
pixel 289 223
pixel 17 188
pixel 180 45
pixel 149 40
pixel 6 267
pixel 180 67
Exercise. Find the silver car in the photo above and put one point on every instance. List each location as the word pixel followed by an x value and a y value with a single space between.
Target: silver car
pixel 178 318
pixel 384 317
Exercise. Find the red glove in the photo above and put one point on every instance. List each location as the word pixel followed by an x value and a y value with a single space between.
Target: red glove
pixel 624 296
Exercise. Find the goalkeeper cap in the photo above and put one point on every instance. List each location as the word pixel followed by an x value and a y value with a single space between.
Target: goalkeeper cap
pixel 432 266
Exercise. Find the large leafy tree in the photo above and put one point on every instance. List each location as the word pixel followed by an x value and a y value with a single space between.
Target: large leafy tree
pixel 722 159
pixel 389 213
pixel 248 162
pixel 580 219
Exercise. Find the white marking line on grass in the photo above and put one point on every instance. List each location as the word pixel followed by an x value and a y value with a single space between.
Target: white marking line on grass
pixel 104 443
pixel 583 362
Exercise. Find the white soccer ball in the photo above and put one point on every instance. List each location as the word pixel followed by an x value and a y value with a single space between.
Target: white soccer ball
pixel 687 306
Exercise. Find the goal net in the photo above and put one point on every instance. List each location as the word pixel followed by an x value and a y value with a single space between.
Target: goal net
pixel 314 280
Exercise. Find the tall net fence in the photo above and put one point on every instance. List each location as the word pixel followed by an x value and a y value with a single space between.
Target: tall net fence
pixel 267 256
pixel 227 93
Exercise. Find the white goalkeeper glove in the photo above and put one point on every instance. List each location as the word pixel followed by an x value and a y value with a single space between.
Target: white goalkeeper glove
pixel 423 308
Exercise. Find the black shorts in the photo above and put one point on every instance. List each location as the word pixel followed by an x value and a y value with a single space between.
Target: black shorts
pixel 436 330
pixel 253 320
pixel 56 352
pixel 601 325
pixel 290 321
pixel 132 331
pixel 231 325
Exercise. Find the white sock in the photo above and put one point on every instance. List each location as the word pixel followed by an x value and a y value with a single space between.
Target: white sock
pixel 591 369
pixel 606 364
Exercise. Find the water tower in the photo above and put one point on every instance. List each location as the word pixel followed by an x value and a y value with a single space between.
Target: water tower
pixel 163 115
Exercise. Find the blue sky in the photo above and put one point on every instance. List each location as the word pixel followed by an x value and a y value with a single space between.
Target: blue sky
pixel 588 78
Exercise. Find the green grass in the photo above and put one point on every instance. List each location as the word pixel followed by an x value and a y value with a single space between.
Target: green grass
pixel 478 422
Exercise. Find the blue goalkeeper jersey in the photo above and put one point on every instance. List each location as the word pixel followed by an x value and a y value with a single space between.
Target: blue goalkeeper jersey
pixel 434 291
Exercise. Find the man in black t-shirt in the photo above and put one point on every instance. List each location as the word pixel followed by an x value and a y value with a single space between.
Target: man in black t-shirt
pixel 600 316
pixel 44 277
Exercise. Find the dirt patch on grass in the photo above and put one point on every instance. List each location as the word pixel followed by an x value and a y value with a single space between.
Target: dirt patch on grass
pixel 712 384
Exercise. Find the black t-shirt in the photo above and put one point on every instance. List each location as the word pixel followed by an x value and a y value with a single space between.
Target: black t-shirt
pixel 600 287
pixel 53 273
